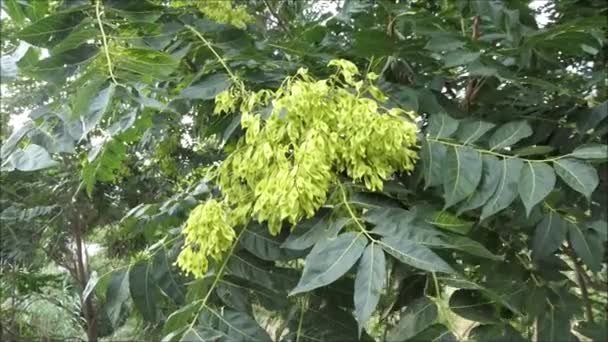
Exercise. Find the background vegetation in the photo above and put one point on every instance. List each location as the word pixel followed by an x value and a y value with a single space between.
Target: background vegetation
pixel 109 140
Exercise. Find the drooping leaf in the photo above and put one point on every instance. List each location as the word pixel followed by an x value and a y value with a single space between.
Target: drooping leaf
pixel 506 191
pixel 536 182
pixel 460 57
pixel 554 325
pixel 419 315
pixel 462 173
pixel 96 108
pixel 31 158
pixel 495 333
pixel 369 282
pixel 579 175
pixel 584 246
pixel 309 233
pixel 432 155
pixel 509 134
pixel 258 241
pixel 329 260
pixel 180 318
pixel 231 325
pixel 207 88
pixel 550 233
pixel 472 305
pixel 244 266
pixel 116 295
pixel 492 174
pixel 143 290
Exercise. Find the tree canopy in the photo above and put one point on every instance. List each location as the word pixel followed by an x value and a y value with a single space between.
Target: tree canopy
pixel 280 170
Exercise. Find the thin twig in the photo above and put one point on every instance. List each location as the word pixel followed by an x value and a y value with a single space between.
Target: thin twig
pixel 279 20
pixel 581 282
pixel 104 41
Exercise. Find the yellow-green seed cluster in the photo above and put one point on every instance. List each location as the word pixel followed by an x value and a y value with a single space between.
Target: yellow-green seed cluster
pixel 298 139
pixel 208 234
pixel 221 11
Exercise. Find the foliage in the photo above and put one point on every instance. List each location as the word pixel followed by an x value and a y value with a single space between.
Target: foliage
pixel 274 170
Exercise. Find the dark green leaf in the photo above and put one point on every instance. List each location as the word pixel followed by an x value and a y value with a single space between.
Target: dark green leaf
pixel 245 267
pixel 536 182
pixel 258 241
pixel 462 173
pixel 414 254
pixel 593 118
pixel 533 150
pixel 232 325
pixel 96 109
pixel 433 156
pixel 584 246
pixel 369 282
pixel 492 174
pixel 460 57
pixel 470 131
pixel 579 175
pixel 208 88
pixel 143 290
pixel 116 294
pixel 472 305
pixel 549 235
pixel 441 126
pixel 447 221
pixel 308 233
pixel 180 319
pixel 554 325
pixel 50 30
pixel 31 158
pixel 507 188
pixel 596 151
pixel 495 333
pixel 329 260
pixel 419 315
pixel 509 134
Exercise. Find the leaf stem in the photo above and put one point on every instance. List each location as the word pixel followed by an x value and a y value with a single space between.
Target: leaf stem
pixel 504 156
pixel 104 40
pixel 215 53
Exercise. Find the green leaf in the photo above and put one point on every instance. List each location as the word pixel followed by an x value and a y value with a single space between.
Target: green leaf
pixel 472 305
pixel 579 175
pixel 83 32
pixel 258 241
pixel 419 315
pixel 444 42
pixel 148 65
pixel 596 151
pixel 308 233
pixel 490 179
pixel 584 246
pixel 536 182
pixel 549 235
pixel 31 158
pixel 52 29
pixel 95 109
pixel 245 267
pixel 533 150
pixel 436 333
pixel 495 333
pixel 13 9
pixel 464 244
pixel 329 260
pixel 441 126
pixel 509 134
pixel 593 118
pixel 460 57
pixel 208 88
pixel 117 294
pixel 413 253
pixel 143 290
pixel 507 188
pixel 554 325
pixel 369 283
pixel 433 156
pixel 180 319
pixel 231 325
pixel 462 173
pixel 470 131
pixel 450 222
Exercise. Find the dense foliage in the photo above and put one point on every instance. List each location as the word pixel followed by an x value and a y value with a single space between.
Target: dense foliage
pixel 305 170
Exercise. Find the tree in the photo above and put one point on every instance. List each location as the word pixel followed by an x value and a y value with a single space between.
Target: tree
pixel 297 170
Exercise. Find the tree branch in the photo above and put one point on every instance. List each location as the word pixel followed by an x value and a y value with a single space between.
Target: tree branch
pixel 276 16
pixel 581 282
